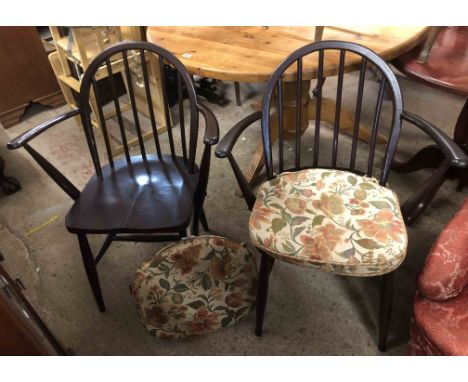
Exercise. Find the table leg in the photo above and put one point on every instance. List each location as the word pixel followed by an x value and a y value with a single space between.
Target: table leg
pixel 431 37
pixel 327 114
pixel 289 124
pixel 308 113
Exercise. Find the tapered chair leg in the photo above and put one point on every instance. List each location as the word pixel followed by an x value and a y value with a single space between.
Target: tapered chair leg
pixel 196 219
pixel 204 221
pixel 238 97
pixel 266 265
pixel 386 302
pixel 91 271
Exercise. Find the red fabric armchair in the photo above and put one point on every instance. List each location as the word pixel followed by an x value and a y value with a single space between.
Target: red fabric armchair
pixel 440 312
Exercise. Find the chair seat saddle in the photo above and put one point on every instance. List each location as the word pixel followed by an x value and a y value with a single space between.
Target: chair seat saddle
pixel 156 194
pixel 331 219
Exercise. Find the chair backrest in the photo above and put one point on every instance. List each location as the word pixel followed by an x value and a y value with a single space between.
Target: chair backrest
pixel 320 60
pixel 149 59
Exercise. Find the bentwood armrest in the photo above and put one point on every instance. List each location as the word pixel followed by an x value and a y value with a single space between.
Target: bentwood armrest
pixel 451 150
pixel 212 128
pixel 22 141
pixel 224 151
pixel 24 138
pixel 229 140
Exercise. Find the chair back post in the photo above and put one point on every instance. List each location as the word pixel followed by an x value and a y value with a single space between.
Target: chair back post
pixel 296 60
pixel 141 51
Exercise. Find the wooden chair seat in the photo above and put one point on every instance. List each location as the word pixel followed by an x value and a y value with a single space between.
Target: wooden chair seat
pixel 146 196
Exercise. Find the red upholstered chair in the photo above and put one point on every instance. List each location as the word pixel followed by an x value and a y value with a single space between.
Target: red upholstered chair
pixel 440 313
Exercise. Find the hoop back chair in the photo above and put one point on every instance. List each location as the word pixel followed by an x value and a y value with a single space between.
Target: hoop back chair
pixel 328 213
pixel 155 190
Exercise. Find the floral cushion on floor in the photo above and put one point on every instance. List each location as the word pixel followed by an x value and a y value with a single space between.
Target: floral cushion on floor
pixel 331 219
pixel 195 286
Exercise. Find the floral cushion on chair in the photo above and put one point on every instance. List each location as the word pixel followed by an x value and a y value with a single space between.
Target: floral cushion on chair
pixel 335 220
pixel 195 286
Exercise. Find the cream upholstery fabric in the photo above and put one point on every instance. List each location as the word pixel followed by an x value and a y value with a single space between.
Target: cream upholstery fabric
pixel 330 219
pixel 196 286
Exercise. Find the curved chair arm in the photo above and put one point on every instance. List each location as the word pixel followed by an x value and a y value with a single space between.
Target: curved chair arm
pixel 212 128
pixel 415 205
pixel 224 151
pixel 22 141
pixel 229 140
pixel 451 150
pixel 24 138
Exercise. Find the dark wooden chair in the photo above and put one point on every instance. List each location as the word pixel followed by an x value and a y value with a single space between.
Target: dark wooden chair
pixel 447 70
pixel 329 213
pixel 144 197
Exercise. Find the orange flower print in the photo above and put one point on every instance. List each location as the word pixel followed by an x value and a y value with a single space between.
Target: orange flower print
pixel 268 241
pixel 188 258
pixel 203 321
pixel 156 316
pixel 330 204
pixel 221 268
pixel 234 300
pixel 278 191
pixel 315 247
pixel 259 216
pixel 384 227
pixel 320 184
pixel 295 176
pixel 219 244
pixel 331 234
pixel 296 206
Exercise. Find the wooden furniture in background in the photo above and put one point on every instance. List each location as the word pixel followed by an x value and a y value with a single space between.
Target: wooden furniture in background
pixel 26 75
pixel 432 34
pixel 143 196
pixel 22 331
pixel 446 69
pixel 318 37
pixel 75 52
pixel 251 54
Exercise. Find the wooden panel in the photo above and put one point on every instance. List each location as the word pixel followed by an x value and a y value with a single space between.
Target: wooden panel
pixel 22 332
pixel 26 75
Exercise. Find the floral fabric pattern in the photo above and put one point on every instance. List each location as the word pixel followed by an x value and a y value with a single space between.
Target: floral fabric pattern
pixel 440 327
pixel 440 311
pixel 335 220
pixel 445 271
pixel 195 286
